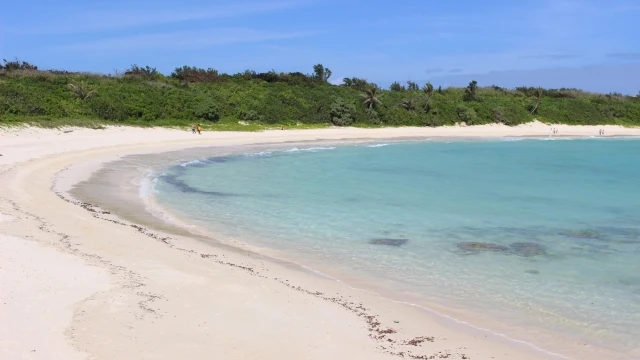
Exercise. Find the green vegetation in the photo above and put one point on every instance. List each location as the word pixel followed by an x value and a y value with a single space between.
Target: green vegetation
pixel 342 112
pixel 142 96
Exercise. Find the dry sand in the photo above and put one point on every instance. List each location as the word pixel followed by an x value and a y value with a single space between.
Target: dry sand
pixel 75 283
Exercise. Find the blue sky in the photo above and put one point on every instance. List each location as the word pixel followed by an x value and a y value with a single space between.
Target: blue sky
pixel 592 44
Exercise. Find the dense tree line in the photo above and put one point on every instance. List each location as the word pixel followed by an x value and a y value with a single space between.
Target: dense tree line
pixel 144 96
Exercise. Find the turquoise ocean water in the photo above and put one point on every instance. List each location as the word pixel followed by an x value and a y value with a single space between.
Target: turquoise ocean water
pixel 528 232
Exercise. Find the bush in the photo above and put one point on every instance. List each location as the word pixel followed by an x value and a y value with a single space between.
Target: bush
pixel 195 74
pixel 466 115
pixel 106 110
pixel 372 117
pixel 498 117
pixel 249 115
pixel 208 111
pixel 17 65
pixel 147 72
pixel 342 113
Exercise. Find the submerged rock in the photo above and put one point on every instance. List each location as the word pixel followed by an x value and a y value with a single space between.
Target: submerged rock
pixel 481 246
pixel 181 185
pixel 388 241
pixel 528 249
pixel 630 281
pixel 582 234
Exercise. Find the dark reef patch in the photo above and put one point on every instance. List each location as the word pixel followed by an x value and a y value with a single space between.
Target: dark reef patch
pixel 527 249
pixel 388 241
pixel 186 188
pixel 621 235
pixel 473 246
pixel 582 234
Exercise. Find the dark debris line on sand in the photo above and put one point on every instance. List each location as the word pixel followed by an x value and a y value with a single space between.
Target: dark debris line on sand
pixel 381 335
pixel 127 278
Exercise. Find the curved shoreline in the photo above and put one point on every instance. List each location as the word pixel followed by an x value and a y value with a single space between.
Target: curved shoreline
pixel 155 231
pixel 164 215
pixel 444 312
pixel 141 319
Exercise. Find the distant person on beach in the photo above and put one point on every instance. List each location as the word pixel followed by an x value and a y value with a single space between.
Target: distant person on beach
pixel 281 127
pixel 199 129
pixel 193 129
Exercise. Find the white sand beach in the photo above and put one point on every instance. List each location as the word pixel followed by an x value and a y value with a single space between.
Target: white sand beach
pixel 79 284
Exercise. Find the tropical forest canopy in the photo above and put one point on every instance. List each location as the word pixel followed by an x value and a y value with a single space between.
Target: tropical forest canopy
pixel 143 96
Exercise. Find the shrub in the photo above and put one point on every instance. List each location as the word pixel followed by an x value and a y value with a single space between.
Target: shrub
pixel 372 116
pixel 81 90
pixel 208 111
pixel 195 74
pixel 342 113
pixel 498 117
pixel 146 72
pixel 106 110
pixel 17 65
pixel 467 115
pixel 249 115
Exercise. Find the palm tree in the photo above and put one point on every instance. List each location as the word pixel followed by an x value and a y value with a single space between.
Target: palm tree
pixel 409 104
pixel 371 97
pixel 81 90
pixel 427 89
pixel 538 96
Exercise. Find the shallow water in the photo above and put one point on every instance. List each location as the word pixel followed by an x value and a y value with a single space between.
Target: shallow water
pixel 533 233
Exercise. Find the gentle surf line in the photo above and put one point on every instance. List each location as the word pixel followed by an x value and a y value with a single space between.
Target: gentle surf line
pixel 445 139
